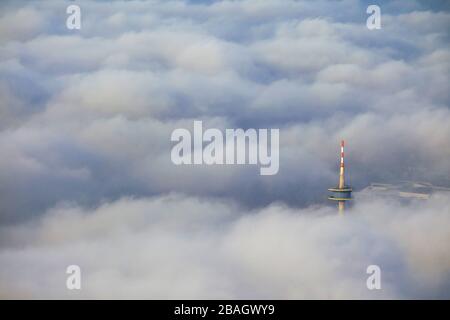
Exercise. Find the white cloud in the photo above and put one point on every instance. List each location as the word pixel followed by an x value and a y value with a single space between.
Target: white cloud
pixel 86 117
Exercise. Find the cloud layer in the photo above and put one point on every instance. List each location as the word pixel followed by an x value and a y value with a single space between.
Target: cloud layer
pixel 183 247
pixel 85 124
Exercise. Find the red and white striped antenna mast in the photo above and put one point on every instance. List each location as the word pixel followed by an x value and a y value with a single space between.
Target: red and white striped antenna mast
pixel 341 172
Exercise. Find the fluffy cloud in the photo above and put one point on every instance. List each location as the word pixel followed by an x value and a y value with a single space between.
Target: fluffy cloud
pixel 179 247
pixel 86 118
